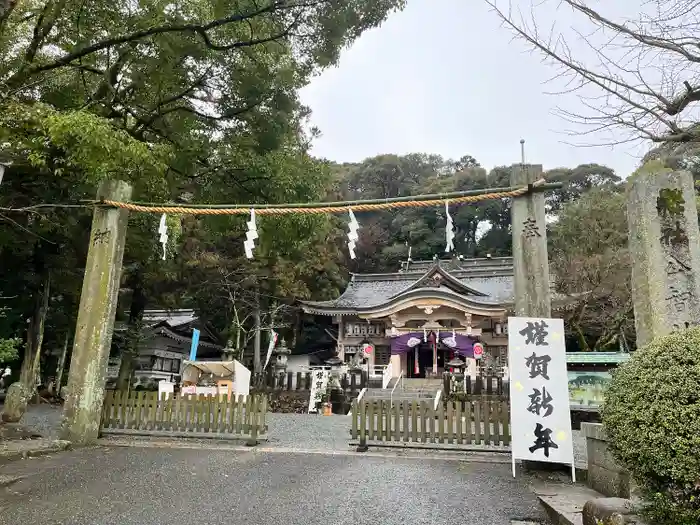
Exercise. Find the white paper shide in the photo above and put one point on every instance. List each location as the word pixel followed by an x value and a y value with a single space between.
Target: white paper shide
pixel 539 392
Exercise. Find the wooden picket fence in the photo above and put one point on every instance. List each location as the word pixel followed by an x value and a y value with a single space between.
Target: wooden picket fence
pixel 480 423
pixel 301 381
pixel 144 413
pixel 481 385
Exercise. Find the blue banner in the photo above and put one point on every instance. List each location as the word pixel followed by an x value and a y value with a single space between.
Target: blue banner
pixel 195 344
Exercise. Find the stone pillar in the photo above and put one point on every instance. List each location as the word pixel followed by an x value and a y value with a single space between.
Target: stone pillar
pixel 665 253
pixel 530 260
pixel 98 303
pixel 604 473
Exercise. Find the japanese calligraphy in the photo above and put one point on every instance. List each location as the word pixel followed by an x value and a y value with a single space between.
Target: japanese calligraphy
pixel 530 228
pixel 674 235
pixel 540 413
pixel 543 440
pixel 541 400
pixel 535 333
pixel 100 237
pixel 538 365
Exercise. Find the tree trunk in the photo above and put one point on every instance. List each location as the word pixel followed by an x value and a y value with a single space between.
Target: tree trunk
pixel 130 352
pixel 257 365
pixel 61 366
pixel 35 336
pixel 20 393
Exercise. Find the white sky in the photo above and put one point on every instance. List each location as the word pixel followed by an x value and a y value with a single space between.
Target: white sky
pixel 445 77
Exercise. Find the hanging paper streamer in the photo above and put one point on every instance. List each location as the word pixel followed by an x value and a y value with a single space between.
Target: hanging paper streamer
pixel 352 234
pixel 416 366
pixel 270 346
pixel 449 230
pixel 425 335
pixel 250 235
pixel 163 231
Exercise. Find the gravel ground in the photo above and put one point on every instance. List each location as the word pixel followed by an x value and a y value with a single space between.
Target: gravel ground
pixel 285 430
pixel 127 486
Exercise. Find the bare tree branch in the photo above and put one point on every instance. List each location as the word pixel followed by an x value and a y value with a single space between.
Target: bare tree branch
pixel 640 76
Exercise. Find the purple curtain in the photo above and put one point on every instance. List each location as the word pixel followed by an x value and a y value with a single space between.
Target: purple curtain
pixel 460 344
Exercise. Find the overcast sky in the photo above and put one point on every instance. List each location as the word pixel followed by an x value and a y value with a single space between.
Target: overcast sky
pixel 445 77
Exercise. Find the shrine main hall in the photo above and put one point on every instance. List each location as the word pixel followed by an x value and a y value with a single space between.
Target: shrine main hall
pixel 429 312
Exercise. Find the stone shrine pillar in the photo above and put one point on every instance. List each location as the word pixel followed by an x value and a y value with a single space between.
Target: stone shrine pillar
pixel 98 303
pixel 664 246
pixel 530 260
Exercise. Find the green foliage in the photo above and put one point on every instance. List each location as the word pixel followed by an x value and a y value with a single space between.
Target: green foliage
pixel 77 144
pixel 651 415
pixel 191 101
pixel 9 349
pixel 589 260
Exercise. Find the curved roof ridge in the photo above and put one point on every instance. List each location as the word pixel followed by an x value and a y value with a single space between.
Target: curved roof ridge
pixel 434 270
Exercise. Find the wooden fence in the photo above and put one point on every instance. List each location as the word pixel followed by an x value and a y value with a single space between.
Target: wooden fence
pixel 489 385
pixel 479 423
pixel 143 413
pixel 301 381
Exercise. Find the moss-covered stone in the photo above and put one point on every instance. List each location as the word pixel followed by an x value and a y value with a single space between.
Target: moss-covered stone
pixel 16 401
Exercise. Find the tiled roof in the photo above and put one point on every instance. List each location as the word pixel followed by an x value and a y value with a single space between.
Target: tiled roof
pixel 597 358
pixel 172 317
pixel 490 278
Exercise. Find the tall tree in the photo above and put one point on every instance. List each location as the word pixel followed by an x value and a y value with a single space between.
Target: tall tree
pixel 588 245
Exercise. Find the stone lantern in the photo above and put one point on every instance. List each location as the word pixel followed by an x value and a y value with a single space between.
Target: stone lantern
pixel 334 362
pixel 281 354
pixel 456 363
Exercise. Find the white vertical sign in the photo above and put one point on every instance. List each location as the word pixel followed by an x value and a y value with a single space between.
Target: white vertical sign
pixel 540 416
pixel 319 383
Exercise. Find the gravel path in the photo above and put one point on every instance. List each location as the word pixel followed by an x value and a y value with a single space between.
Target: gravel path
pixel 305 431
pixel 127 486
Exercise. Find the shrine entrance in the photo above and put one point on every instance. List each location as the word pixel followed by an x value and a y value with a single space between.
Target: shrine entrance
pixel 424 366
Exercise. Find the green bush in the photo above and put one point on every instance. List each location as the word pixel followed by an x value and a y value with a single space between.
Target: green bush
pixel 651 416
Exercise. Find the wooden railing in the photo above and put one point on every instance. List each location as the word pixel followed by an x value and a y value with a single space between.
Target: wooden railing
pixel 477 386
pixel 481 422
pixel 301 381
pixel 143 413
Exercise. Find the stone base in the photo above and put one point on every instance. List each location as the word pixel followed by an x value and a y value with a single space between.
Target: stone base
pixel 604 474
pixel 608 481
pixel 609 511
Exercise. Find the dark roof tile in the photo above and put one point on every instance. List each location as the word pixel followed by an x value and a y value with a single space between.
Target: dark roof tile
pixel 492 277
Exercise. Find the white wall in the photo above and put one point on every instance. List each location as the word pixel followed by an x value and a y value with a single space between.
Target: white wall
pixel 296 363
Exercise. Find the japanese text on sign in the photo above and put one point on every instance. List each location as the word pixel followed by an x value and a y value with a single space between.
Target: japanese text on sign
pixel 540 416
pixel 319 383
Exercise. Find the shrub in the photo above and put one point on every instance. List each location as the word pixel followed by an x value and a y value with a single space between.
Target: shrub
pixel 651 416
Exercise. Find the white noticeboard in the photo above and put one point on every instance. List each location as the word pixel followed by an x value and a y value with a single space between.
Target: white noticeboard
pixel 540 415
pixel 319 383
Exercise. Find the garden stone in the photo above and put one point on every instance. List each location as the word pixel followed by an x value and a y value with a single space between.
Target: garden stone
pixel 16 401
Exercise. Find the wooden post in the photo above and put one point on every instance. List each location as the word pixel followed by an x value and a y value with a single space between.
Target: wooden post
pixel 98 303
pixel 255 421
pixel 362 446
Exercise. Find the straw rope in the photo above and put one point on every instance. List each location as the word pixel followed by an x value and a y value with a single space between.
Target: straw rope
pixel 317 210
